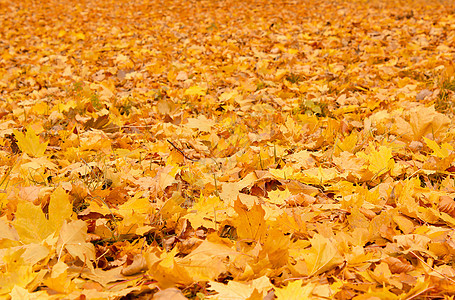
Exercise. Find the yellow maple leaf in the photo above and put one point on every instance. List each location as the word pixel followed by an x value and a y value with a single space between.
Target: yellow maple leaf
pixel 58 279
pixel 26 215
pixel 167 271
pixel 172 207
pixel 60 208
pixel 426 120
pixel 207 212
pixel 80 35
pixel 405 196
pixel 250 224
pixel 322 256
pixel 135 211
pixel 15 272
pixel 380 161
pixel 226 96
pixel 284 173
pixel 73 238
pixel 348 144
pixel 276 248
pixel 195 91
pixel 442 151
pixel 240 290
pixel 381 273
pixel 166 176
pixel 294 290
pixel 30 143
pixel 41 108
pixel 207 261
pixel 318 175
pixel 201 123
pixel 279 197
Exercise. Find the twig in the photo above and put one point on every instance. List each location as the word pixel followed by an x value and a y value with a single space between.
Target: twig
pixel 422 261
pixel 420 293
pixel 181 152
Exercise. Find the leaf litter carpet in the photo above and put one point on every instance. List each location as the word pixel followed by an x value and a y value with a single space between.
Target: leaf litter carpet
pixel 227 149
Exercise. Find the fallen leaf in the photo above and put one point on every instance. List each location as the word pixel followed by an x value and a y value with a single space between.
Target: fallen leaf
pixel 251 223
pixel 30 143
pixel 73 238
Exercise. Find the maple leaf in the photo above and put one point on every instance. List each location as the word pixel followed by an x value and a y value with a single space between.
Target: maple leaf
pixel 276 248
pixel 207 261
pixel 251 224
pixel 30 143
pixel 425 120
pixel 441 151
pixel 166 270
pixel 322 255
pixel 58 279
pixel 201 123
pixel 380 160
pixel 226 96
pixel 240 290
pixel 294 290
pixel 60 209
pixel 17 273
pixel 27 214
pixel 278 197
pixel 73 238
pixel 207 155
pixel 195 91
pixel 135 211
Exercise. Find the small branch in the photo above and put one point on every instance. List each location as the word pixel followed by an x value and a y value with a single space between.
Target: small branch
pixel 181 152
pixel 422 261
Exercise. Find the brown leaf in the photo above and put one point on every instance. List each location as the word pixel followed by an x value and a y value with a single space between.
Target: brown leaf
pixel 398 266
pixel 447 205
pixel 117 196
pixel 101 123
pixel 423 94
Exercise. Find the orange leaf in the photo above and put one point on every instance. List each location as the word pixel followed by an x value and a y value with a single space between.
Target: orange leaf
pixel 250 224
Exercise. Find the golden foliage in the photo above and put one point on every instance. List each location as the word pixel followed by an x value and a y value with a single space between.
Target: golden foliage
pixel 227 149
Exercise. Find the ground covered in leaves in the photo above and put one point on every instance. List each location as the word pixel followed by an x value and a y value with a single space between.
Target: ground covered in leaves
pixel 227 149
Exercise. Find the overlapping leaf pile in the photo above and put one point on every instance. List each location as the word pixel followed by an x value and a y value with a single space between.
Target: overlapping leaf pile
pixel 227 149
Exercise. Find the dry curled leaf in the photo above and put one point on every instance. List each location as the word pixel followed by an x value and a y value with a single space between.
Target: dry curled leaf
pixel 368 213
pixel 300 199
pixel 447 205
pixel 398 266
pixel 138 265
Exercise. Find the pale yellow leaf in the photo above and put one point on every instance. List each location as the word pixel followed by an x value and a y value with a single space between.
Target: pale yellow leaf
pixel 322 256
pixel 31 224
pixel 60 208
pixel 195 91
pixel 294 291
pixel 73 238
pixel 30 143
pixel 201 123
